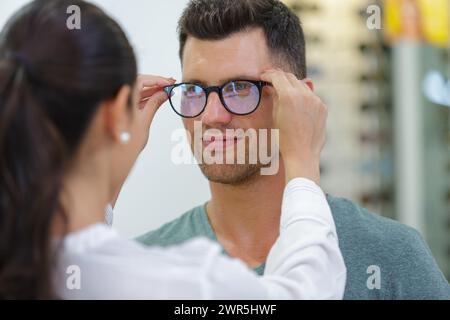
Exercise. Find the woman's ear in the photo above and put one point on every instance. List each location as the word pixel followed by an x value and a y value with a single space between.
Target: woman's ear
pixel 116 113
pixel 309 83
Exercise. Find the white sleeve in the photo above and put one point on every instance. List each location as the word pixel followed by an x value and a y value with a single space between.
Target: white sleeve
pixel 304 263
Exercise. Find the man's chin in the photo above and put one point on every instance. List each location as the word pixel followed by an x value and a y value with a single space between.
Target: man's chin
pixel 232 174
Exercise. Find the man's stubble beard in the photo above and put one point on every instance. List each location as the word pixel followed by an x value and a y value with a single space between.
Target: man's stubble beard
pixel 235 174
pixel 231 174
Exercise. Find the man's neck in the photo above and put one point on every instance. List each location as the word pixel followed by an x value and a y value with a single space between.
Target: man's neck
pixel 246 218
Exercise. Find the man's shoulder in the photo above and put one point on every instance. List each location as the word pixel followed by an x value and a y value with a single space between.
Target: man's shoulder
pixel 363 233
pixel 189 225
pixel 353 221
pixel 371 242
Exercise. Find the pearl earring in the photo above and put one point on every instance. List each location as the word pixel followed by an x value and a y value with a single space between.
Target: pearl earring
pixel 125 137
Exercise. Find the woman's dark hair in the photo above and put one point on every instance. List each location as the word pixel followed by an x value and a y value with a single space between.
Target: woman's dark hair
pixel 52 80
pixel 218 19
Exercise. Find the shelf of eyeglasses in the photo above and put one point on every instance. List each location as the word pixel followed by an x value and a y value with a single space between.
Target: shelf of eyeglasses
pixel 347 68
pixel 339 53
pixel 353 187
pixel 367 84
pixel 377 108
pixel 338 41
pixel 328 19
pixel 346 64
pixel 377 196
pixel 362 43
pixel 357 125
pixel 343 77
pixel 374 47
pixel 330 83
pixel 361 163
pixel 357 158
pixel 353 124
pixel 352 96
pixel 349 102
pixel 304 7
pixel 356 12
pixel 353 157
pixel 338 38
pixel 349 8
pixel 336 15
pixel 375 138
pixel 335 19
pixel 381 165
pixel 333 177
pixel 375 128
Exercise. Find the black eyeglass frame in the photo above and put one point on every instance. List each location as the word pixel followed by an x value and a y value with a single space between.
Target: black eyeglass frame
pixel 218 89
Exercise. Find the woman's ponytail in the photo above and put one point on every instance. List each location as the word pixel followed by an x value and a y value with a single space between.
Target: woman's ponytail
pixel 31 163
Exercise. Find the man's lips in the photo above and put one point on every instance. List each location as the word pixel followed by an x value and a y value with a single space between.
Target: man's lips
pixel 219 142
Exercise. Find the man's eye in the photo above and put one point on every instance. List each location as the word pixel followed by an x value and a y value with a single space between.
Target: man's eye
pixel 193 90
pixel 236 87
pixel 241 86
pixel 243 89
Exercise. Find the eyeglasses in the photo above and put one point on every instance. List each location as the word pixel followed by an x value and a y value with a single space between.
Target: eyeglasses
pixel 240 97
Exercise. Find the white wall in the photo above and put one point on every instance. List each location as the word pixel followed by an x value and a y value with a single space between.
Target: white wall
pixel 157 191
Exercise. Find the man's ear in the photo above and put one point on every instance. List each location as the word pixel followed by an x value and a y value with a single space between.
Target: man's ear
pixel 309 83
pixel 116 113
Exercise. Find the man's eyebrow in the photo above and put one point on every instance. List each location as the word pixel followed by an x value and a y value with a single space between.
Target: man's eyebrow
pixel 194 81
pixel 223 81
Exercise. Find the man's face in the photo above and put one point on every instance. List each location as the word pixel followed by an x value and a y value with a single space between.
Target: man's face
pixel 243 55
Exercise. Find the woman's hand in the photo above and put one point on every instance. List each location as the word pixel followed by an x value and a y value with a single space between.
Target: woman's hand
pixel 151 97
pixel 301 117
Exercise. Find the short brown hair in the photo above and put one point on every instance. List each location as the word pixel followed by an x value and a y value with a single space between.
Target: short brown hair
pixel 218 19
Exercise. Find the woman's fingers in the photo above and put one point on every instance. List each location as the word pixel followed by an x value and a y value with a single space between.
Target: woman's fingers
pixel 151 97
pixel 147 93
pixel 145 80
pixel 151 104
pixel 278 79
pixel 150 86
pixel 146 113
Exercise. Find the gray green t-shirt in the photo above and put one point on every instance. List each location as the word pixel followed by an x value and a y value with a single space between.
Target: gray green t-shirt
pixel 384 259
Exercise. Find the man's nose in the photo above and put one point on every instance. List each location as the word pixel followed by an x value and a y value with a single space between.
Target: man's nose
pixel 215 114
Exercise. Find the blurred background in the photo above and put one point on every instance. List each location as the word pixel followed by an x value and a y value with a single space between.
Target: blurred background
pixel 383 69
pixel 387 86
